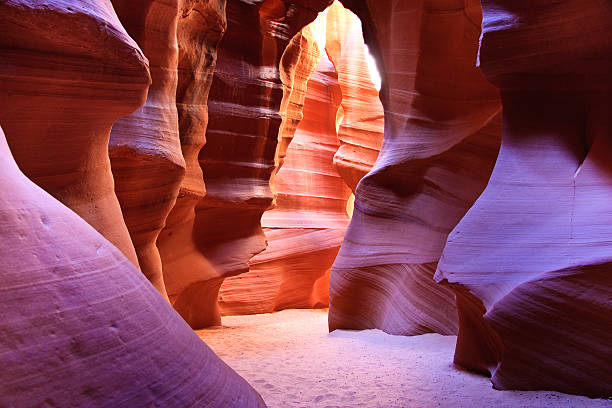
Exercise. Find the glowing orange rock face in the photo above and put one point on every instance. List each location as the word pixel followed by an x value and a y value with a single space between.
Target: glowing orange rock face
pixel 69 71
pixel 531 260
pixel 306 227
pixel 362 125
pixel 441 138
pixel 144 148
pixel 200 27
pixel 213 232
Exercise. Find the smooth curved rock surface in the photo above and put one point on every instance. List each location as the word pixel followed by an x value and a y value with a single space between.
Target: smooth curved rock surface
pixel 200 27
pixel 361 128
pixel 82 327
pixel 441 139
pixel 238 158
pixel 531 261
pixel 69 71
pixel 305 228
pixel 144 148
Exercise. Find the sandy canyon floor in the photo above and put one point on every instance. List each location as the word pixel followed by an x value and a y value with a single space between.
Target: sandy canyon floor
pixel 291 359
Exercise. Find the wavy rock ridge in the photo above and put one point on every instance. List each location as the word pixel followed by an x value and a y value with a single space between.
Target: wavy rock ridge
pixel 530 262
pixel 441 139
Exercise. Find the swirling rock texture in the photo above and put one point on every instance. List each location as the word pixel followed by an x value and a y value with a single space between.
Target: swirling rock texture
pixel 441 139
pixel 531 260
pixel 144 148
pixel 306 227
pixel 78 327
pixel 69 70
pixel 200 27
pixel 238 158
pixel 362 126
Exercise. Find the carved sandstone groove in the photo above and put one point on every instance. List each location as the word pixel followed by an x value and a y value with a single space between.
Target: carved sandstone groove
pixel 441 139
pixel 531 261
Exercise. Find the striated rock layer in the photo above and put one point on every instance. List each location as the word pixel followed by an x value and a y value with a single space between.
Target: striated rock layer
pixel 201 248
pixel 531 261
pixel 200 27
pixel 441 139
pixel 362 118
pixel 82 327
pixel 144 148
pixel 305 229
pixel 68 71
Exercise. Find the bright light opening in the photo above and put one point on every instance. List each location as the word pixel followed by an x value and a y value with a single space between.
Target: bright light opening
pixel 374 75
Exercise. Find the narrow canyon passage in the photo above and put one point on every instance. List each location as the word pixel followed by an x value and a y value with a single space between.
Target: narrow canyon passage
pixel 292 360
pixel 305 203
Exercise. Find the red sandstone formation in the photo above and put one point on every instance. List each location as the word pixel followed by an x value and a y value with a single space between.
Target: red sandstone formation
pixel 69 71
pixel 306 227
pixel 441 139
pixel 530 262
pixel 201 25
pixel 238 159
pixel 82 327
pixel 144 148
pixel 298 62
pixel 362 125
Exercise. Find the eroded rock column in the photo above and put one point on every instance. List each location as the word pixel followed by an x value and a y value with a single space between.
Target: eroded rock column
pixel 531 261
pixel 69 71
pixel 144 148
pixel 361 126
pixel 305 229
pixel 201 25
pixel 238 159
pixel 441 139
pixel 82 327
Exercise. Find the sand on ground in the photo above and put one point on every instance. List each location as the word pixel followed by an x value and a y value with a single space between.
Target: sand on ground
pixel 292 360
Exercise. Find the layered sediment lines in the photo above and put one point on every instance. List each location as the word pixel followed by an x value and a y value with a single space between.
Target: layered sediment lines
pixel 144 147
pixel 73 304
pixel 441 139
pixel 305 228
pixel 200 27
pixel 69 71
pixel 213 231
pixel 361 126
pixel 531 260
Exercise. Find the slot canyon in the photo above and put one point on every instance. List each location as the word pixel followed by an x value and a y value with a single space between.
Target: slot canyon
pixel 306 203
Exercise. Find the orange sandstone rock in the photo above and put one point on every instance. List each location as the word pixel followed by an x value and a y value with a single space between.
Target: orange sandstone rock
pixel 199 249
pixel 144 148
pixel 362 126
pixel 201 25
pixel 69 71
pixel 306 227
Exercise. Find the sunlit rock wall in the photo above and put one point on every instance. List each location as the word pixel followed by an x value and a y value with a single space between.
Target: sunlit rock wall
pixel 144 148
pixel 362 118
pixel 441 139
pixel 214 228
pixel 305 229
